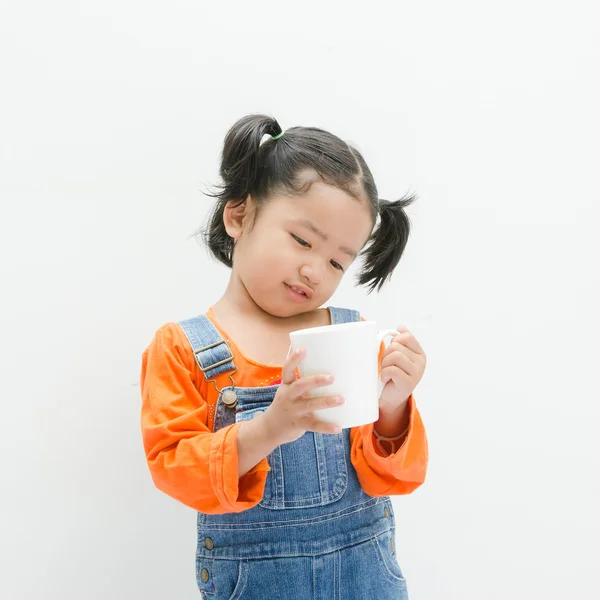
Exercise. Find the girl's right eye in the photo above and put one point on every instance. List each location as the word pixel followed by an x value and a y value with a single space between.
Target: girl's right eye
pixel 301 241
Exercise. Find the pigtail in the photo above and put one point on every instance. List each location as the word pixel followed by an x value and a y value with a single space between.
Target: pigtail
pixel 240 156
pixel 240 165
pixel 387 244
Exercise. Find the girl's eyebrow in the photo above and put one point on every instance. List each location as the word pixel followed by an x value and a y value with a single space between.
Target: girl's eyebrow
pixel 310 225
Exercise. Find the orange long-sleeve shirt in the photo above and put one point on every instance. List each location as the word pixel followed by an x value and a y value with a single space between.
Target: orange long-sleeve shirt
pixel 200 468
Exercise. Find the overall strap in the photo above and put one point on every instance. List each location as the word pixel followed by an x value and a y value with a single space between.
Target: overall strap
pixel 211 351
pixel 343 315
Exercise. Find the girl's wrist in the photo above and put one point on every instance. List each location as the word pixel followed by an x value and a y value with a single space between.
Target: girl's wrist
pixel 392 420
pixel 393 409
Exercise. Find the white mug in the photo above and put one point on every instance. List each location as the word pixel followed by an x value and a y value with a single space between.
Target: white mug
pixel 350 352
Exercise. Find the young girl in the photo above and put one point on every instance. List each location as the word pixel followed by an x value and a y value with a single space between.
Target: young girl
pixel 288 506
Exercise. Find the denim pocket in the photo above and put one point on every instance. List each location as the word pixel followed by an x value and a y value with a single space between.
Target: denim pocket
pixel 388 563
pixel 310 471
pixel 221 579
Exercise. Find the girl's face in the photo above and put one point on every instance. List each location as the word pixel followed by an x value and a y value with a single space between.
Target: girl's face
pixel 291 256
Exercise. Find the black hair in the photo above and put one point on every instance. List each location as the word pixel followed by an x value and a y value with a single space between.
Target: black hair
pixel 291 164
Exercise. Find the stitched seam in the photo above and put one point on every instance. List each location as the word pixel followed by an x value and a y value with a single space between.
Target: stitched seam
pixel 338 548
pixel 295 523
pixel 399 581
pixel 314 576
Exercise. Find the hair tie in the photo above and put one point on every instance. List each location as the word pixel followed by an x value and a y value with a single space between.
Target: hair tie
pixel 276 137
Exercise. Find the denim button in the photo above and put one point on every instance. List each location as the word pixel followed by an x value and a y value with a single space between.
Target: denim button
pixel 208 544
pixel 386 512
pixel 229 398
pixel 204 575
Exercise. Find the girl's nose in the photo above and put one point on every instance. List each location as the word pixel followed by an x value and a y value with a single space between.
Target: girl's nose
pixel 312 272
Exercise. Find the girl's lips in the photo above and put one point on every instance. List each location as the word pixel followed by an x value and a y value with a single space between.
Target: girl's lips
pixel 294 295
pixel 302 288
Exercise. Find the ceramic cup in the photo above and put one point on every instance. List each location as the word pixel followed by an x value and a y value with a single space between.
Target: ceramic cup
pixel 350 352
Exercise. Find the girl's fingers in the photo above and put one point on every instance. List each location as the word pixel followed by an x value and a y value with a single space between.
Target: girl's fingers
pixel 288 373
pixel 322 427
pixel 319 402
pixel 396 347
pixel 393 373
pixel 406 338
pixel 306 384
pixel 400 360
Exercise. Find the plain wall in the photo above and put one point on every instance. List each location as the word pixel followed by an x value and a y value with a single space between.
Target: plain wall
pixel 112 116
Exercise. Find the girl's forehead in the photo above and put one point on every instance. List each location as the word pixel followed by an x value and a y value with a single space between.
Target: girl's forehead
pixel 328 208
pixel 321 199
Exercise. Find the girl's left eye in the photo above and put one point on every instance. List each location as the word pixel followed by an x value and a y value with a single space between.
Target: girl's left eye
pixel 336 265
pixel 301 241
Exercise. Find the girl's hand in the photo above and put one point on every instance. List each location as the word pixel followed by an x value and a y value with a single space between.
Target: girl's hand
pixel 290 415
pixel 402 368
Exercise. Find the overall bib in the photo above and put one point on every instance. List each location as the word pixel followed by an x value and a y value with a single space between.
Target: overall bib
pixel 315 535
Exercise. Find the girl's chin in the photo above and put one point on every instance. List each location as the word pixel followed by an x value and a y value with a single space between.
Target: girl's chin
pixel 285 309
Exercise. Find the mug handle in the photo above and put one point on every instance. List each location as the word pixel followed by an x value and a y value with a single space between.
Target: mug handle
pixel 381 337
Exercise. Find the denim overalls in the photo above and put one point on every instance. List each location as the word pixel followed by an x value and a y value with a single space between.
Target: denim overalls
pixel 315 535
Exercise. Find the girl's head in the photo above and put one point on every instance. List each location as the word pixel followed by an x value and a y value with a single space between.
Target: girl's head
pixel 294 212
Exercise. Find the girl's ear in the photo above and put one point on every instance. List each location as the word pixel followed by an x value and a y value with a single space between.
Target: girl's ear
pixel 237 215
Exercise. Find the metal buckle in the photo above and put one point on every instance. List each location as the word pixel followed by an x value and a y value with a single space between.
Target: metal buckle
pixel 218 364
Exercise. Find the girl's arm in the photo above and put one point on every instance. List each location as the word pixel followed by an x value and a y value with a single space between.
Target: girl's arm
pixel 381 474
pixel 186 460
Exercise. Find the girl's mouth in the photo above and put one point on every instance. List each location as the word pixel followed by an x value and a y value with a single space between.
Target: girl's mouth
pixel 296 294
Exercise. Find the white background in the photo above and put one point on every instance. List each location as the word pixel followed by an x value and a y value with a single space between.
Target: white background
pixel 112 116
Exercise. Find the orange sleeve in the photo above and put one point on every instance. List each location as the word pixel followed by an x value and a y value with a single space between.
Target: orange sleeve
pixel 401 472
pixel 186 460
